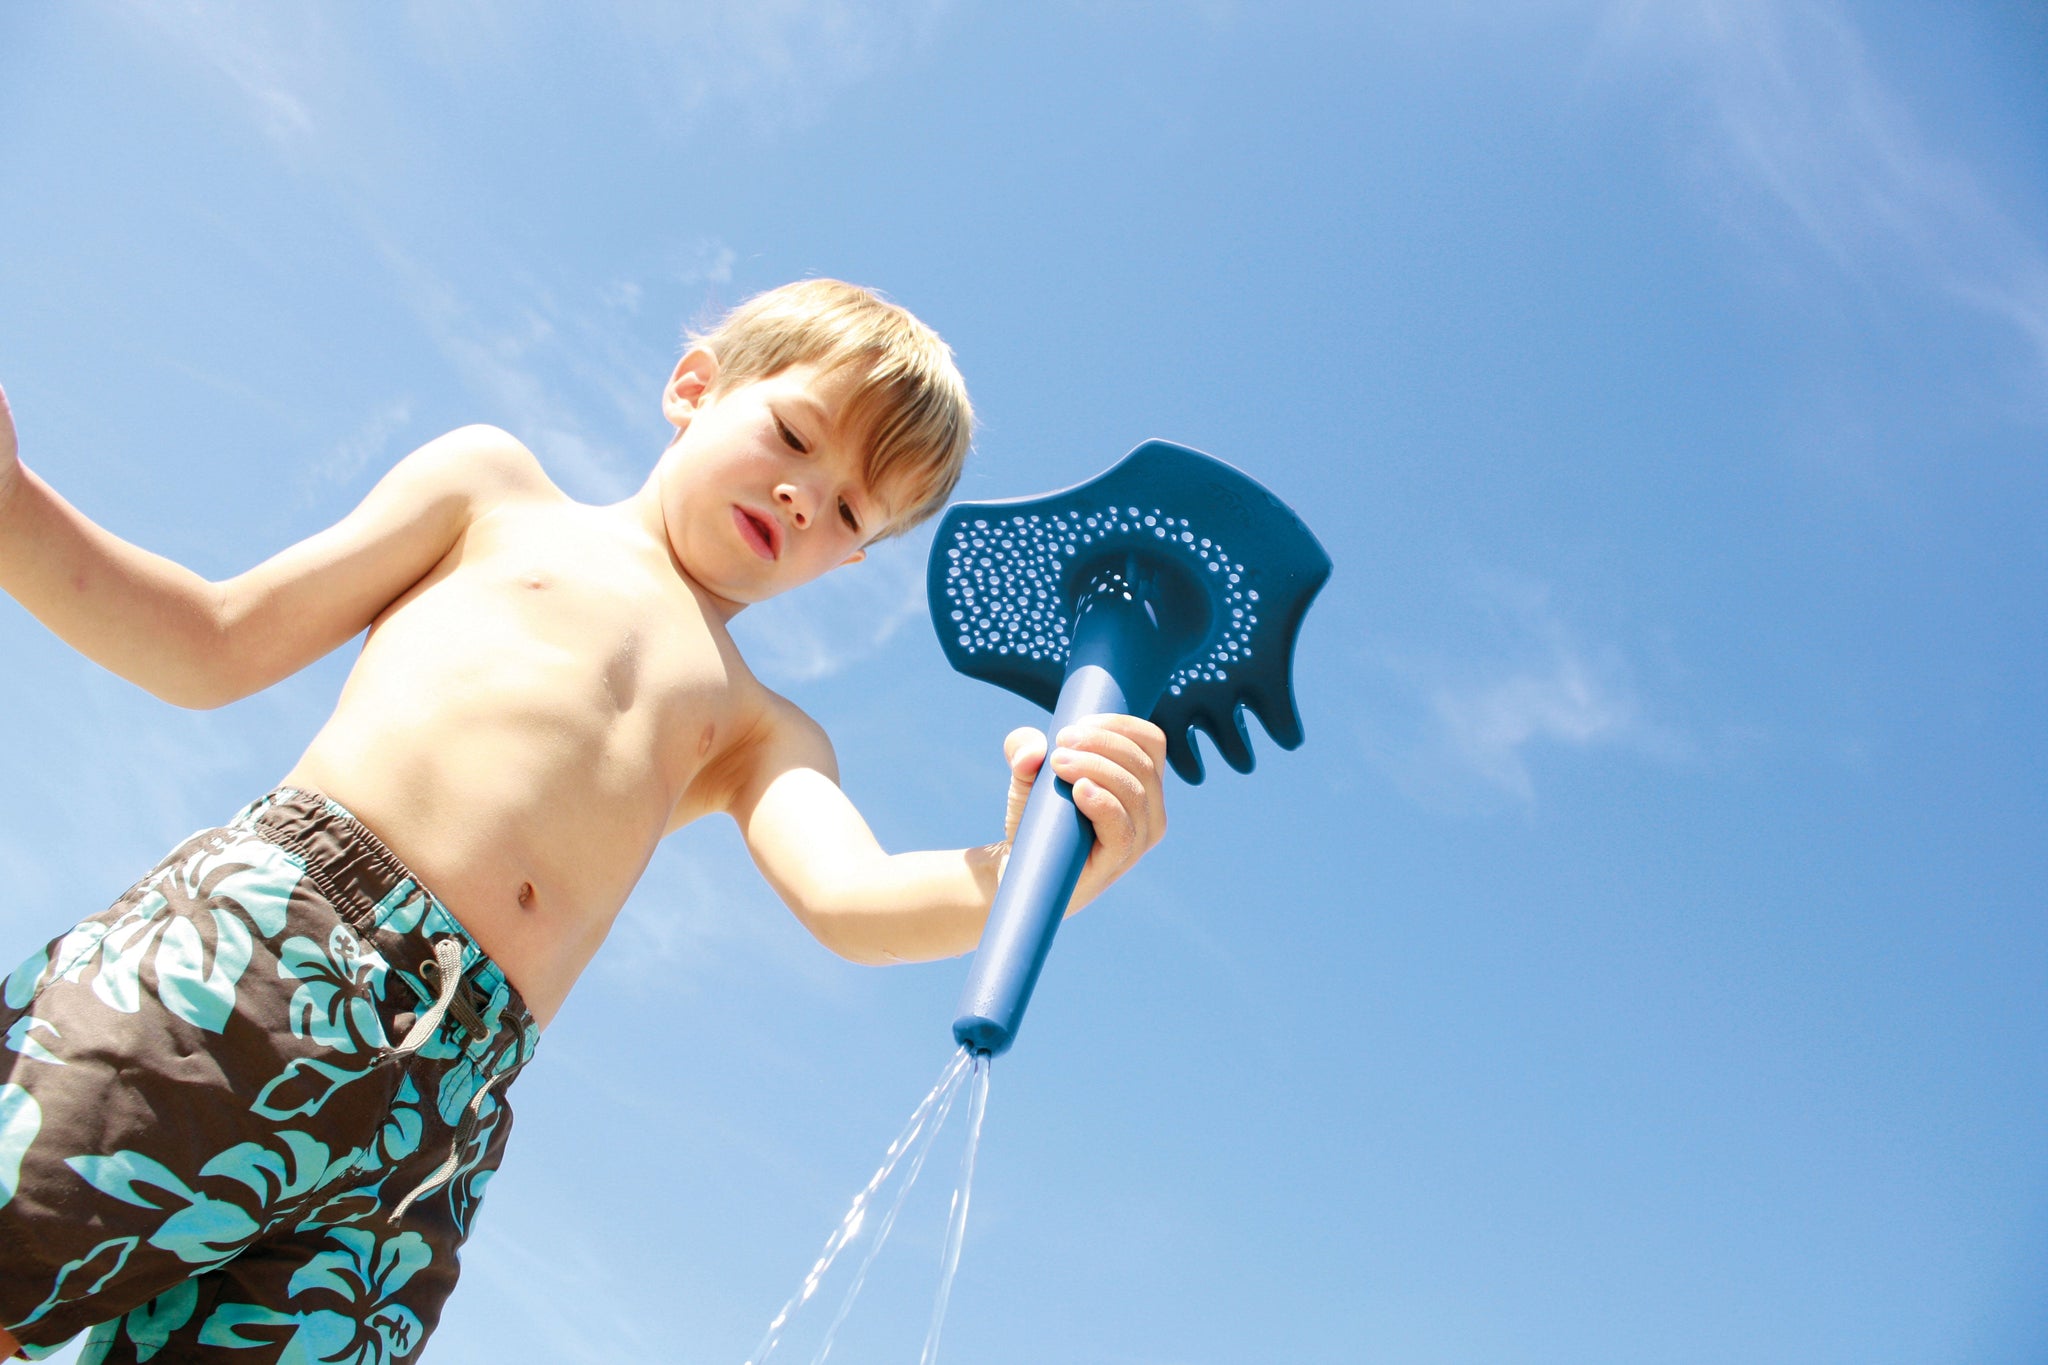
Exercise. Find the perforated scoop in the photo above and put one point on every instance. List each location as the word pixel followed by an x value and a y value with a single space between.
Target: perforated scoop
pixel 1172 586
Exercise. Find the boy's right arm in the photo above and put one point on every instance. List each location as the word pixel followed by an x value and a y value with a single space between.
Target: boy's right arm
pixel 204 644
pixel 868 905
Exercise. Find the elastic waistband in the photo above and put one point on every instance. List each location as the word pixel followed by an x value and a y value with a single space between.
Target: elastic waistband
pixel 371 889
pixel 350 865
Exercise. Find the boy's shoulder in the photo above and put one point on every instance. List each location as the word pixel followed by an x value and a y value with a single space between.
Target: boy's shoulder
pixel 460 476
pixel 487 459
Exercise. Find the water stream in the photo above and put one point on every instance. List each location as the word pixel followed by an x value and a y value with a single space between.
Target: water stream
pixel 956 1220
pixel 966 1068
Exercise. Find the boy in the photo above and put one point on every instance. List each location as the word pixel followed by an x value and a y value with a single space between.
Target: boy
pixel 246 1114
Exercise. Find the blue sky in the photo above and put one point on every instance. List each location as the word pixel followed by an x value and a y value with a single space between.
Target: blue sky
pixel 1644 960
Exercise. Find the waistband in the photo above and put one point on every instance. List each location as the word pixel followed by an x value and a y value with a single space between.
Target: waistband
pixel 372 890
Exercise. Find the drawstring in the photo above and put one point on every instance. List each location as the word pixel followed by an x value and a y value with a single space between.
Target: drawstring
pixel 447 965
pixel 463 1132
pixel 462 1007
pixel 444 969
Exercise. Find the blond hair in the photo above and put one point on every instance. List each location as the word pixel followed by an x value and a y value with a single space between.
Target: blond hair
pixel 907 395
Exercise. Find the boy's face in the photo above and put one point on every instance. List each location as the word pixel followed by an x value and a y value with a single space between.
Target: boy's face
pixel 761 490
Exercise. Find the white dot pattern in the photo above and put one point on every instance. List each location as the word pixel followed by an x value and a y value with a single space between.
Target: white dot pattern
pixel 1006 583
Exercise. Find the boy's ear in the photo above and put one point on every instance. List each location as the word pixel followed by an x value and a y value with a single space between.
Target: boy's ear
pixel 696 374
pixel 856 557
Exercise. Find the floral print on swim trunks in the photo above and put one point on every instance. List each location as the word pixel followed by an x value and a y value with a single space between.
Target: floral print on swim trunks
pixel 247 1113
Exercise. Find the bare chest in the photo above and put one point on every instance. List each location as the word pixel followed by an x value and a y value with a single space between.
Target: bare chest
pixel 556 627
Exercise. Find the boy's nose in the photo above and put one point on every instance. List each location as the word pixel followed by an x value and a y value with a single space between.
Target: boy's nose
pixel 796 501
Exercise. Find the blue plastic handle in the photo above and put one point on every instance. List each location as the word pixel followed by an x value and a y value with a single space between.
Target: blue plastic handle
pixel 1133 626
pixel 1048 853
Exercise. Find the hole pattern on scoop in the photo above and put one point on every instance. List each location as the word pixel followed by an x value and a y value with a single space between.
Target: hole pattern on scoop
pixel 1004 580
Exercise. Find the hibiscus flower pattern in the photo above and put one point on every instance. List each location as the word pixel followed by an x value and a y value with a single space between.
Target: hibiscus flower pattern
pixel 362 1276
pixel 210 1067
pixel 186 938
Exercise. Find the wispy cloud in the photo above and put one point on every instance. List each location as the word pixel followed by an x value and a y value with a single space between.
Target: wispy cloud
pixel 554 374
pixel 702 911
pixel 549 360
pixel 369 444
pixel 1524 683
pixel 779 62
pixel 774 64
pixel 694 907
pixel 1799 118
pixel 1564 698
pixel 265 54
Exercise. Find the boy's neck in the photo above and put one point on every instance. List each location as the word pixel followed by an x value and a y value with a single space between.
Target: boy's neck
pixel 644 508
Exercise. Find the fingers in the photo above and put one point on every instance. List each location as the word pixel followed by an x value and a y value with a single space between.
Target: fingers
pixel 1115 765
pixel 1122 755
pixel 1149 738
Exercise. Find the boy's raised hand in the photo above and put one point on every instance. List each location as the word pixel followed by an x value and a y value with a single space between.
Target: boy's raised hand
pixel 1116 765
pixel 10 451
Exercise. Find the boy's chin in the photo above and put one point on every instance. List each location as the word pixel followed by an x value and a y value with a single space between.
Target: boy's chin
pixel 737 591
pixel 737 596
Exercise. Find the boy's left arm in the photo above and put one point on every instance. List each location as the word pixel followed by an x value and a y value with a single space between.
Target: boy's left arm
pixel 868 905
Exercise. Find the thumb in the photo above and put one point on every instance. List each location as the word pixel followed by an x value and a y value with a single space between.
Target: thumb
pixel 1024 749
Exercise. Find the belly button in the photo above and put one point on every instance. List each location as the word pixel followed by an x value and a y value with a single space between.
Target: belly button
pixel 526 895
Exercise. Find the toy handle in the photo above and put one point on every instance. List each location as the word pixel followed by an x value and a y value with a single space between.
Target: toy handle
pixel 1046 857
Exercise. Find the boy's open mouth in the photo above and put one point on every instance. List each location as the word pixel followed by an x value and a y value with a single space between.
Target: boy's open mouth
pixel 761 533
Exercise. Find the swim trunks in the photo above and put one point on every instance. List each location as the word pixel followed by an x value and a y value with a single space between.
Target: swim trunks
pixel 247 1114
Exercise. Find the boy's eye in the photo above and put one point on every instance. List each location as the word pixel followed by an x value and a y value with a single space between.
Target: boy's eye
pixel 846 515
pixel 790 438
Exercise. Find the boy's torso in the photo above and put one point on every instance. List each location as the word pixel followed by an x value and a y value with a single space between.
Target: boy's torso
pixel 526 723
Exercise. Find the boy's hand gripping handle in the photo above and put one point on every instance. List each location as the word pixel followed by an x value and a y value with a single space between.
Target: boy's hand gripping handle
pixel 1133 626
pixel 1046 857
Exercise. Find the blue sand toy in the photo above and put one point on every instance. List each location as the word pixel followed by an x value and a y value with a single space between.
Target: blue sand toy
pixel 1171 586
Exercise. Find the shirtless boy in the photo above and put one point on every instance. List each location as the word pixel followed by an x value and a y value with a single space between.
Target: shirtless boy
pixel 247 1113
